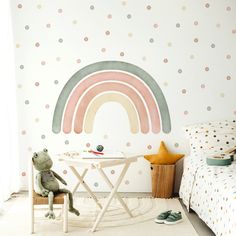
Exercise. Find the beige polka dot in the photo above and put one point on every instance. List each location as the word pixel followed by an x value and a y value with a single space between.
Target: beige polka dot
pixel 222 95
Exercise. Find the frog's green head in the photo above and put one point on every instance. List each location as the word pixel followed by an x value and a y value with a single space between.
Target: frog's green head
pixel 41 160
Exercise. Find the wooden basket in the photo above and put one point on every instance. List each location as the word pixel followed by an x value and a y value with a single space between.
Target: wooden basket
pixel 162 180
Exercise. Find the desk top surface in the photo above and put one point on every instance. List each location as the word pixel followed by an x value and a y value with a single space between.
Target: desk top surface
pixel 75 158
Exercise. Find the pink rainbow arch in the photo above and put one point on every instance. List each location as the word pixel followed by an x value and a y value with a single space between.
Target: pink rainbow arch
pixel 111 86
pixel 80 90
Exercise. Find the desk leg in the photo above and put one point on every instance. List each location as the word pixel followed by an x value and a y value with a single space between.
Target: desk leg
pixel 85 186
pixel 111 195
pixel 102 173
pixel 77 185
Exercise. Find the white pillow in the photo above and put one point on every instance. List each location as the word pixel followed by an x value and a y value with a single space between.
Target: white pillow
pixel 212 137
pixel 211 142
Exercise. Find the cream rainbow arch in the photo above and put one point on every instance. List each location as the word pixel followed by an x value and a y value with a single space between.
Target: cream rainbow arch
pixel 127 84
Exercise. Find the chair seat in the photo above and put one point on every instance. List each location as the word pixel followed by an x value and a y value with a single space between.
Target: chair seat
pixel 39 200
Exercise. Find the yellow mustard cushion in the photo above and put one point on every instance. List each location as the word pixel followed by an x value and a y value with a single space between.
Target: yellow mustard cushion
pixel 163 157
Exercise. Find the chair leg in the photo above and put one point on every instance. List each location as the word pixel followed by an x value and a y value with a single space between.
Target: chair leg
pixel 65 214
pixel 32 219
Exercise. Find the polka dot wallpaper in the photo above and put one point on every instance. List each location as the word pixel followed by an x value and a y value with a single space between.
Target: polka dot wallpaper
pixel 188 47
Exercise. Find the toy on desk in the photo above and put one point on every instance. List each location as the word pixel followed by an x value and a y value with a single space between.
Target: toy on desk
pixel 46 182
pixel 99 148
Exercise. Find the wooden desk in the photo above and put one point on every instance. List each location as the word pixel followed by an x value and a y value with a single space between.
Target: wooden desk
pixel 73 161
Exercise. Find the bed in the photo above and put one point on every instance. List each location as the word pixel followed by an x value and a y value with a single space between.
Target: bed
pixel 210 190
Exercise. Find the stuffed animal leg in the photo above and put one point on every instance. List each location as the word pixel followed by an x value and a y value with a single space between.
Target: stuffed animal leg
pixel 50 214
pixel 71 207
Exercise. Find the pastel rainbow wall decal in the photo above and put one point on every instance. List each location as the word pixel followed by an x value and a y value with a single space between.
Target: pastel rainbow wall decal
pixel 94 85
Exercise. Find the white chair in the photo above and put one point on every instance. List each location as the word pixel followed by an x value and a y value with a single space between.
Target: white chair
pixel 36 199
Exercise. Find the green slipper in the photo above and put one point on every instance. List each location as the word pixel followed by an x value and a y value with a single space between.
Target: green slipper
pixel 173 218
pixel 162 217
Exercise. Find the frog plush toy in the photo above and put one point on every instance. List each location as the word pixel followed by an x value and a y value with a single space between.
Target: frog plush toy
pixel 46 182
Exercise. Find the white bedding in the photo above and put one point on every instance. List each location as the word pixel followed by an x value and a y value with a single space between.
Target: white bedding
pixel 211 192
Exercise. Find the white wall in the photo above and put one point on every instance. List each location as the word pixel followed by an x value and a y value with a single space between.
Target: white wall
pixel 50 48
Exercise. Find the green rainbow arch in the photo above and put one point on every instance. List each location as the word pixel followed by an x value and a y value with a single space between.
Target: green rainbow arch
pixel 111 65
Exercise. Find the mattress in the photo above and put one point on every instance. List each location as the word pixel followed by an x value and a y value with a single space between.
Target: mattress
pixel 211 192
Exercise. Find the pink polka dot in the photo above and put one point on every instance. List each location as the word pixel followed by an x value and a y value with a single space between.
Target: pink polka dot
pixel 78 61
pixel 206 68
pixel 88 144
pixel 19 6
pixel 165 60
pixel 60 10
pixel 86 39
pixel 64 172
pixel 107 32
pixel 155 25
pixel 47 106
pixel 37 44
pixel 36 83
pixel 149 147
pixel 109 16
pixel 23 174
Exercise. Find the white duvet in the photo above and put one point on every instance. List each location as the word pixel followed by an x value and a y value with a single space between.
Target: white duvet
pixel 211 192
